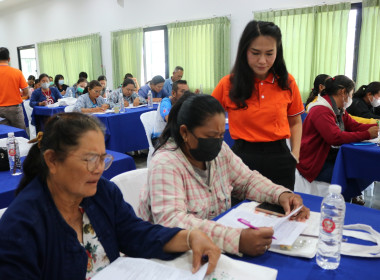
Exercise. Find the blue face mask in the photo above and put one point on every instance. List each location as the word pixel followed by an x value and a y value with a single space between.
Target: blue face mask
pixel 208 148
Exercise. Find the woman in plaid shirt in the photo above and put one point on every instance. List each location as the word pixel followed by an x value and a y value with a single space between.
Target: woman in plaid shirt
pixel 194 173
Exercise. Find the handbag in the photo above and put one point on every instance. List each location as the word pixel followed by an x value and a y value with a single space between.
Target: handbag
pixel 4 162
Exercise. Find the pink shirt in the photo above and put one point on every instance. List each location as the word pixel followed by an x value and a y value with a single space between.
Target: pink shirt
pixel 177 196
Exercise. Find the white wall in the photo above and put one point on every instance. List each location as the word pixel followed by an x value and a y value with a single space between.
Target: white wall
pixel 46 20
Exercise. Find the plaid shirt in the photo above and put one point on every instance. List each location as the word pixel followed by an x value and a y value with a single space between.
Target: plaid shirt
pixel 176 195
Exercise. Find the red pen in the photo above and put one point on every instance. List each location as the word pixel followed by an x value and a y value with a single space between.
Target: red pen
pixel 248 224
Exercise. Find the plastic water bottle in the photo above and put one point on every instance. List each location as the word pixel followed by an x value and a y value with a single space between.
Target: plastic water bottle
pixel 150 99
pixel 13 155
pixel 121 102
pixel 333 209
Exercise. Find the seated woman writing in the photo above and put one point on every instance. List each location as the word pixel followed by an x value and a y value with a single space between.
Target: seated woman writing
pixel 326 127
pixel 193 174
pixel 68 222
pixel 366 102
pixel 91 102
pixel 129 94
pixel 45 94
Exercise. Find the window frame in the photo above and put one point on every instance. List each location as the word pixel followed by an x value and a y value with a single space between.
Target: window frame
pixel 26 47
pixel 358 28
pixel 166 44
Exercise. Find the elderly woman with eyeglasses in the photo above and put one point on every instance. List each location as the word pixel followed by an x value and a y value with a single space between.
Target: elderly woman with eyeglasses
pixel 68 222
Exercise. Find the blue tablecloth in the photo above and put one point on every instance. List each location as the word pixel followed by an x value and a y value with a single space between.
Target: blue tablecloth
pixel 350 267
pixel 41 113
pixel 353 163
pixel 8 183
pixel 4 129
pixel 125 131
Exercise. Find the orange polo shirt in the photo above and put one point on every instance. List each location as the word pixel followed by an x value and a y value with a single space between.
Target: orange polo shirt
pixel 266 118
pixel 11 81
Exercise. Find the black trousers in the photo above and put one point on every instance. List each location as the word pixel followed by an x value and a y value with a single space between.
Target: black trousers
pixel 271 159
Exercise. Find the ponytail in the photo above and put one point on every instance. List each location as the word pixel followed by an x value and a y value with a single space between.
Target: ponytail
pixel 319 80
pixel 34 166
pixel 332 85
pixel 372 88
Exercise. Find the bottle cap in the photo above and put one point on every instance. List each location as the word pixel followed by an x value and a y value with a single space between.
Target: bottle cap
pixel 335 189
pixel 11 134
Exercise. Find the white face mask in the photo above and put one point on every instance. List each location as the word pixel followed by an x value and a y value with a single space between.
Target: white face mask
pixel 61 82
pixel 347 103
pixel 45 85
pixel 375 102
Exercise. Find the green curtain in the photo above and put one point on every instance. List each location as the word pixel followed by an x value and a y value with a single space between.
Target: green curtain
pixel 71 56
pixel 127 48
pixel 369 46
pixel 202 48
pixel 314 41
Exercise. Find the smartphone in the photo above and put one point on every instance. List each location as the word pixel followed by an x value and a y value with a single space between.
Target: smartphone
pixel 272 209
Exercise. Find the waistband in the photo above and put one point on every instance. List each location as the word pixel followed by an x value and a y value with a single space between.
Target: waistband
pixel 279 145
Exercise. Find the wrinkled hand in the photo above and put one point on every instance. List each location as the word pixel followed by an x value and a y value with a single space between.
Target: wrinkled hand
pixel 255 242
pixel 105 107
pixel 373 131
pixel 202 245
pixel 290 201
pixel 98 109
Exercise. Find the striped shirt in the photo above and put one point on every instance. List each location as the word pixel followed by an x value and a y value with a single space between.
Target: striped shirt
pixel 176 195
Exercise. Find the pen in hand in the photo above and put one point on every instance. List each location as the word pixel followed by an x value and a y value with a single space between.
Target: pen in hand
pixel 248 224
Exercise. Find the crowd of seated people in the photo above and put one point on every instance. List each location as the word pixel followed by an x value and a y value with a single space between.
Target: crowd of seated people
pixel 193 176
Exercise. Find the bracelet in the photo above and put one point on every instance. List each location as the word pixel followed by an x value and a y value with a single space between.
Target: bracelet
pixel 188 238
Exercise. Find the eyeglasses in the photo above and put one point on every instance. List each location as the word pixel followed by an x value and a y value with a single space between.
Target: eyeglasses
pixel 93 161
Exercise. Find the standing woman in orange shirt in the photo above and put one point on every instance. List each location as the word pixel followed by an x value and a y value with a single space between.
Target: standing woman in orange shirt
pixel 264 105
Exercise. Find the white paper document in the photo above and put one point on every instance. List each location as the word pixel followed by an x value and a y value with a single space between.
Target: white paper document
pixel 227 268
pixel 285 231
pixel 125 268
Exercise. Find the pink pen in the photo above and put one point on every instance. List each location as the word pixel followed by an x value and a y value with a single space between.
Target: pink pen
pixel 248 224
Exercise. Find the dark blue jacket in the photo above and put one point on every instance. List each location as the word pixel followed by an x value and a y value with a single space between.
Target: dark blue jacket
pixel 37 243
pixel 38 96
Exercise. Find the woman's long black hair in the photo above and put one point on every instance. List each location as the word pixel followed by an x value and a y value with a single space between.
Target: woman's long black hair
pixel 332 85
pixel 242 76
pixel 62 133
pixel 319 80
pixel 191 110
pixel 372 88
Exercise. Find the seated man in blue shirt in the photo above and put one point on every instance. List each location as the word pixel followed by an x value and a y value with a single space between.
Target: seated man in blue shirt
pixel 155 85
pixel 177 75
pixel 163 110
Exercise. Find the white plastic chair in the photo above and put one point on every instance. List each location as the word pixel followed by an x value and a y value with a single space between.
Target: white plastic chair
pixel 2 212
pixel 148 119
pixel 315 188
pixel 29 110
pixel 130 183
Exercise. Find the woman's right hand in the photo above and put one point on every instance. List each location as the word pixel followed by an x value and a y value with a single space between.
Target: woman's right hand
pixel 255 242
pixel 43 103
pixel 373 131
pixel 98 109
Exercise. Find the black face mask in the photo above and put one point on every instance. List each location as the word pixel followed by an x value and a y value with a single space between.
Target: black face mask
pixel 208 149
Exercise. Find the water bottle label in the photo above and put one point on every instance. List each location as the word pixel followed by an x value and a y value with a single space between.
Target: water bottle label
pixel 328 225
pixel 12 152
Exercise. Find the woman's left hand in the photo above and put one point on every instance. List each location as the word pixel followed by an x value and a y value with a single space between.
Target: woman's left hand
pixel 290 201
pixel 202 246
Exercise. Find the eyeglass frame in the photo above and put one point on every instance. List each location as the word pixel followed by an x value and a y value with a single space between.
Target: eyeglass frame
pixel 95 160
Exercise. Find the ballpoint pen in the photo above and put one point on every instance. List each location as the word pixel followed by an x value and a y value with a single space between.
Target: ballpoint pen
pixel 248 224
